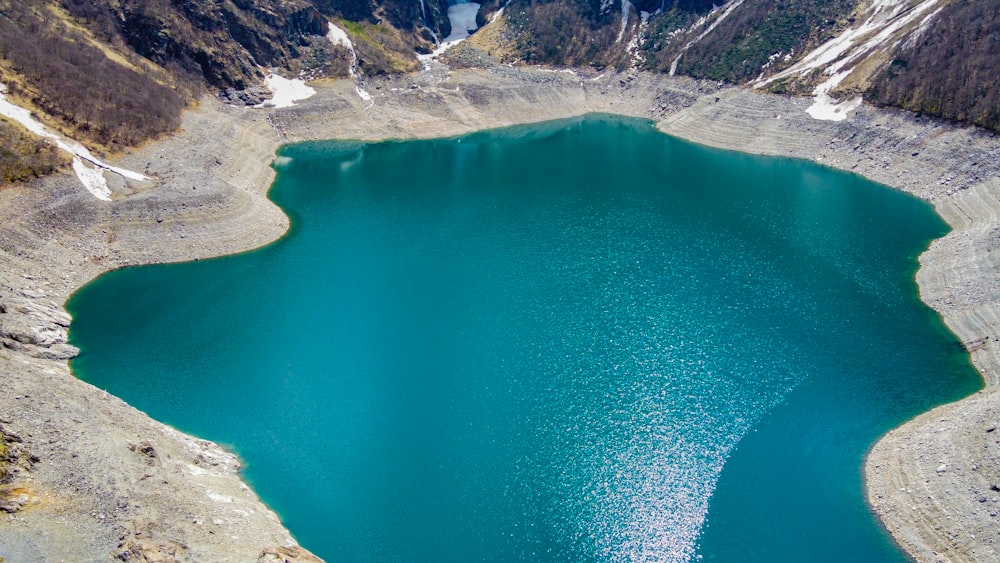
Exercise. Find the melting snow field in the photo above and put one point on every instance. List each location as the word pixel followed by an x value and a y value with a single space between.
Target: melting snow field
pixel 338 37
pixel 91 175
pixel 463 23
pixel 826 108
pixel 838 56
pixel 285 91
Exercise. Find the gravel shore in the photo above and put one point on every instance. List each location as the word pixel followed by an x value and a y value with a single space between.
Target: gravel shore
pixel 91 477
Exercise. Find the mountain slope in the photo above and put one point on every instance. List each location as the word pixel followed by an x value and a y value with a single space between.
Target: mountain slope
pixel 951 70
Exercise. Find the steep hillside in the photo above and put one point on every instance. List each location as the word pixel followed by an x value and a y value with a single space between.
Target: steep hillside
pixel 932 56
pixel 951 70
pixel 24 156
pixel 65 74
pixel 747 38
pixel 115 73
pixel 223 41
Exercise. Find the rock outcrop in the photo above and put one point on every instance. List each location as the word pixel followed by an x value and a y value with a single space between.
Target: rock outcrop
pixel 36 327
pixel 15 464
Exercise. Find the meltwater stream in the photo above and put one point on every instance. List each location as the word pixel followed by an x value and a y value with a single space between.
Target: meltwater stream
pixel 575 341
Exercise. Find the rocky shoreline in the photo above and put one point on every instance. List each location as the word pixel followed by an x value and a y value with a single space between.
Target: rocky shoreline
pixel 90 477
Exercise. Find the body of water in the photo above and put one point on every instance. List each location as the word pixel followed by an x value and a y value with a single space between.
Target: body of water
pixel 575 341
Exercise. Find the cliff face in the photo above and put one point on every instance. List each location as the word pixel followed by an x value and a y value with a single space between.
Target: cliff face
pixel 223 41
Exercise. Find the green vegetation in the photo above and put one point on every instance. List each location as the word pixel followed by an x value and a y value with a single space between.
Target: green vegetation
pixel 739 48
pixel 381 48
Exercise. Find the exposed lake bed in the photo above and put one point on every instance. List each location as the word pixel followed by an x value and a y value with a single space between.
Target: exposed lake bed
pixel 566 96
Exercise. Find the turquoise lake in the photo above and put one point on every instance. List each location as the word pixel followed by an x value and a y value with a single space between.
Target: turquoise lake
pixel 575 341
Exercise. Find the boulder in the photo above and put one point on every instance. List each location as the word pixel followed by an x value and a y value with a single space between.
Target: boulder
pixel 287 554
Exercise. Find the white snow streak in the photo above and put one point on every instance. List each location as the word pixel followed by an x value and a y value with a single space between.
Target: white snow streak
pixel 728 10
pixel 626 8
pixel 838 56
pixel 633 45
pixel 92 176
pixel 339 37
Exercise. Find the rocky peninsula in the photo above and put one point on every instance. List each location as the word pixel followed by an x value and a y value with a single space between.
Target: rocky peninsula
pixel 88 477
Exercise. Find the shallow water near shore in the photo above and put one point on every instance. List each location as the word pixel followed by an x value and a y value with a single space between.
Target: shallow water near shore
pixel 574 341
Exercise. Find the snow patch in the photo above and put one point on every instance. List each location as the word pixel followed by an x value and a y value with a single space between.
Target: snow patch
pixel 626 8
pixel 826 108
pixel 338 36
pixel 365 96
pixel 463 23
pixel 925 24
pixel 837 57
pixel 285 92
pixel 92 177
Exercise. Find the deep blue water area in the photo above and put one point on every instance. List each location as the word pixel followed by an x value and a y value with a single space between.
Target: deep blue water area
pixel 575 341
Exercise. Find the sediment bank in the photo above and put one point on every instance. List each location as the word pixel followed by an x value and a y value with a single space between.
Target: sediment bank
pixel 107 478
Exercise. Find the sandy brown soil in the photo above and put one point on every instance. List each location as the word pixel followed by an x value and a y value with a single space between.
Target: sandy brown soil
pixel 94 477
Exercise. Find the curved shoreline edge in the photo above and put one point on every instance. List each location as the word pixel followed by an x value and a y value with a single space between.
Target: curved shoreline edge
pixel 109 479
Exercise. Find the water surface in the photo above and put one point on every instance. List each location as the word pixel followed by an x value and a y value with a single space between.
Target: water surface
pixel 574 341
